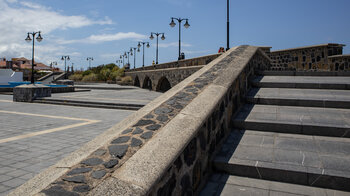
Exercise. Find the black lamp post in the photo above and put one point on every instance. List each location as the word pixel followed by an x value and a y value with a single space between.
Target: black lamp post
pixel 65 58
pixel 52 64
pixel 126 57
pixel 89 59
pixel 118 61
pixel 163 38
pixel 133 53
pixel 228 26
pixel 28 39
pixel 143 55
pixel 186 25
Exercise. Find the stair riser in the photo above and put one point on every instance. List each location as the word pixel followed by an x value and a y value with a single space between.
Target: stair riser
pixel 293 129
pixel 297 102
pixel 295 177
pixel 302 86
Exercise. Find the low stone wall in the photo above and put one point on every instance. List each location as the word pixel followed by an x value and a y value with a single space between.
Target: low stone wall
pixel 339 62
pixel 203 60
pixel 305 58
pixel 166 147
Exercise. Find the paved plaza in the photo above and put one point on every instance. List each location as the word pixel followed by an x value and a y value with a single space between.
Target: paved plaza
pixel 35 136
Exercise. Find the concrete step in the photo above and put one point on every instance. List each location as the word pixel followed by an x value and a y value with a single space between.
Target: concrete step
pixel 89 104
pixel 308 82
pixel 297 120
pixel 302 73
pixel 300 97
pixel 224 184
pixel 291 158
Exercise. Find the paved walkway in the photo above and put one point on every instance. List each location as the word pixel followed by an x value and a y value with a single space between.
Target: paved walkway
pixel 36 136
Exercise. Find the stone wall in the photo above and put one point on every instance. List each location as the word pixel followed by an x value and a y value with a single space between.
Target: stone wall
pixel 305 58
pixel 152 79
pixel 203 60
pixel 339 63
pixel 164 148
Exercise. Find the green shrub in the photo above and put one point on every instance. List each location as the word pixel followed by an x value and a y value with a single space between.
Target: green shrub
pixel 76 77
pixel 87 72
pixel 90 78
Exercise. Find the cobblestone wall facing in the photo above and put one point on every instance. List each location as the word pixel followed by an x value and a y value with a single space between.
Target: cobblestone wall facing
pixel 305 58
pixel 339 63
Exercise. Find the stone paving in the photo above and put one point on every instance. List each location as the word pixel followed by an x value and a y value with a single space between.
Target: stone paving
pixel 130 96
pixel 36 136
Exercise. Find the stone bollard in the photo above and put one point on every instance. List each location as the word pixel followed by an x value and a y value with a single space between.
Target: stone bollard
pixel 29 92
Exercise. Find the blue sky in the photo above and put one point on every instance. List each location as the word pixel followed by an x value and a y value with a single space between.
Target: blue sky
pixel 104 29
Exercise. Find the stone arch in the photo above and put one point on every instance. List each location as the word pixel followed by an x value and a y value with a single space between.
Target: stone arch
pixel 163 85
pixel 137 82
pixel 147 83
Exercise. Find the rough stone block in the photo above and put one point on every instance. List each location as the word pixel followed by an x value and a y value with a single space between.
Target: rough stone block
pixel 27 93
pixel 65 82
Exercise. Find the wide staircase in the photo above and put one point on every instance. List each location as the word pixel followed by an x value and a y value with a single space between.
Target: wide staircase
pixel 292 137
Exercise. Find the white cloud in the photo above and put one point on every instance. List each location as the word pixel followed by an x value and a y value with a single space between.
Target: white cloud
pixel 173 44
pixel 19 17
pixel 106 38
pixel 110 55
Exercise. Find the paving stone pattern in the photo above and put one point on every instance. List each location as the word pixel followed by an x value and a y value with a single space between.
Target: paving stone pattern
pixel 122 148
pixel 22 159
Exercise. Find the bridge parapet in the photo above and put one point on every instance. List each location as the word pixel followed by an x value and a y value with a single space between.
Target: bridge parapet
pixel 165 147
pixel 203 60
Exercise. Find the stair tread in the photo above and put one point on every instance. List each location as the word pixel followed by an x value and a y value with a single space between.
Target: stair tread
pixel 303 79
pixel 223 184
pixel 300 94
pixel 311 116
pixel 283 157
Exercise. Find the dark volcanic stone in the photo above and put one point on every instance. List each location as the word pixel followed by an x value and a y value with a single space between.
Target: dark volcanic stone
pixel 121 140
pixel 162 118
pixel 160 111
pixel 135 142
pixel 118 150
pixel 148 116
pixel 98 174
pixel 58 191
pixel 78 171
pixel 81 188
pixel 153 127
pixel 126 131
pixel 76 179
pixel 92 161
pixel 178 106
pixel 137 131
pixel 146 135
pixel 143 123
pixel 111 163
pixel 100 152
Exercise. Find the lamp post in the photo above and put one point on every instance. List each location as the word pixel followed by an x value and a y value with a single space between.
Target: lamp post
pixel 126 57
pixel 129 52
pixel 118 61
pixel 133 53
pixel 122 57
pixel 28 39
pixel 65 58
pixel 89 59
pixel 163 38
pixel 52 64
pixel 228 26
pixel 186 25
pixel 143 55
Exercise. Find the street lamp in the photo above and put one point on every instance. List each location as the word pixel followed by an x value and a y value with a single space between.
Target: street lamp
pixel 186 25
pixel 52 64
pixel 125 56
pixel 128 58
pixel 28 39
pixel 163 38
pixel 118 61
pixel 89 59
pixel 143 55
pixel 133 53
pixel 65 58
pixel 122 57
pixel 228 26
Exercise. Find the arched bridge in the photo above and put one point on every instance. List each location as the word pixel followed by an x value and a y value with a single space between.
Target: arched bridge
pixel 162 77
